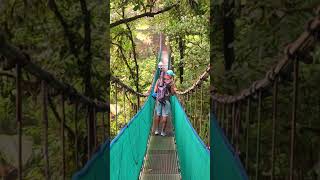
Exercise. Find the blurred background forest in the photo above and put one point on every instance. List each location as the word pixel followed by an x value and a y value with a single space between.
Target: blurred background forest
pixel 69 39
pixel 249 37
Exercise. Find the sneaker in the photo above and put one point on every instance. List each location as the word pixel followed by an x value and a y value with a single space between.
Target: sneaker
pixel 163 133
pixel 156 132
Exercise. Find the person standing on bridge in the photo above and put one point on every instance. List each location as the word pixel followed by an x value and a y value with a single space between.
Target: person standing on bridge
pixel 163 90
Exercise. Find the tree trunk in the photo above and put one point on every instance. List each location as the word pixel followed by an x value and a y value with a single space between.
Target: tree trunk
pixel 135 62
pixel 86 69
pixel 181 64
pixel 228 34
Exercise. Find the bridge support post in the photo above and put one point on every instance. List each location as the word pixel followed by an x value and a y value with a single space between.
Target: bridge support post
pixel 274 118
pixel 18 118
pixel 45 127
pixel 233 123
pixel 124 105
pixel 258 135
pixel 294 115
pixel 76 134
pixel 90 131
pixel 247 131
pixel 62 136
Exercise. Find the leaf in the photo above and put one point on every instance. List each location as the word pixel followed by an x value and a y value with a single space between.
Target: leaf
pixel 137 7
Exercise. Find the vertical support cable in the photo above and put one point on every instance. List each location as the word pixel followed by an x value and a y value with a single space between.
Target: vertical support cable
pixel 124 105
pixel 137 106
pixel 247 131
pixel 184 101
pixel 227 116
pixel 190 104
pixel 18 119
pixel 103 127
pixel 94 119
pixel 201 109
pixel 218 112
pixel 184 96
pixel 208 130
pixel 187 104
pixel 294 115
pixel 223 115
pixel 138 103
pixel 237 118
pixel 258 136
pixel 88 131
pixel 215 107
pixel 116 117
pixel 45 126
pixel 233 123
pixel 195 109
pixel 192 109
pixel 132 105
pixel 274 118
pixel 76 133
pixel 62 137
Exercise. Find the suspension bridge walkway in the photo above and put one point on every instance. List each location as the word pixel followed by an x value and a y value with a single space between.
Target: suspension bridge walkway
pixel 136 153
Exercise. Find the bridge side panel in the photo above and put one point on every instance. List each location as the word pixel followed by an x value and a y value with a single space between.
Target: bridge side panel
pixel 194 157
pixel 225 163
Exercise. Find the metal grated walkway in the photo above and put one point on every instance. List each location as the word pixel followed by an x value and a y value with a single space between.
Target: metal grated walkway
pixel 161 162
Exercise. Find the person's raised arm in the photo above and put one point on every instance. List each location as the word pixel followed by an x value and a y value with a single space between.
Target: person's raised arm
pixel 156 86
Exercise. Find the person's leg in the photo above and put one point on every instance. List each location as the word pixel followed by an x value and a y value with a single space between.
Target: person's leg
pixel 157 121
pixel 157 118
pixel 164 123
pixel 165 114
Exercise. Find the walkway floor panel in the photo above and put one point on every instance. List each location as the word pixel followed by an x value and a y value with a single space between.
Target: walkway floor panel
pixel 161 162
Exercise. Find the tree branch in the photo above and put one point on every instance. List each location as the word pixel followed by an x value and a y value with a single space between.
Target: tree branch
pixel 134 56
pixel 124 58
pixel 87 48
pixel 147 14
pixel 56 114
pixel 68 34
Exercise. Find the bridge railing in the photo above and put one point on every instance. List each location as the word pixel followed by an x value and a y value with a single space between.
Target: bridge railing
pixel 76 130
pixel 242 116
pixel 196 103
pixel 126 101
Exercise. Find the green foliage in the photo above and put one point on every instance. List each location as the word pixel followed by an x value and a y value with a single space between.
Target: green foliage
pixel 34 28
pixel 262 30
pixel 174 24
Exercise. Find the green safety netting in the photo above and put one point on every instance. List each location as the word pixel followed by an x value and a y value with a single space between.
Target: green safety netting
pixel 225 162
pixel 127 149
pixel 194 157
pixel 97 167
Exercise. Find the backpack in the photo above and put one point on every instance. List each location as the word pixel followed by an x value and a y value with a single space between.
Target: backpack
pixel 163 91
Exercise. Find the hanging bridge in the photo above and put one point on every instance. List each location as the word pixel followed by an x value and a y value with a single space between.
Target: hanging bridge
pixel 135 153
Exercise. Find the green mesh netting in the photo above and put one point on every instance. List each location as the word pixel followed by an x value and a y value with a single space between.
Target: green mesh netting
pixel 129 147
pixel 194 157
pixel 97 167
pixel 225 163
pixel 127 152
